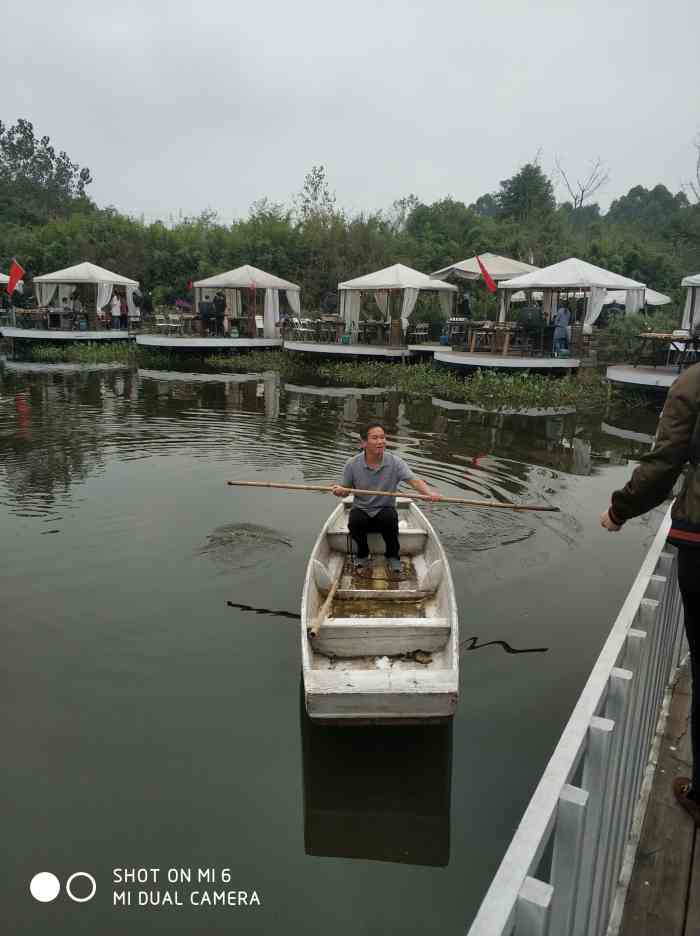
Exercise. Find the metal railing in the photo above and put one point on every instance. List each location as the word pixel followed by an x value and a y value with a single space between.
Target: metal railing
pixel 568 865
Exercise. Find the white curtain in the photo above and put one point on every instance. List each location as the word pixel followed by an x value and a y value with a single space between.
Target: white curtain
pixel 294 300
pixel 271 313
pixel 233 303
pixel 104 294
pixel 134 311
pixel 690 308
pixel 548 305
pixel 594 306
pixel 381 297
pixel 634 301
pixel 445 303
pixel 64 292
pixel 410 295
pixel 504 304
pixel 44 293
pixel 350 301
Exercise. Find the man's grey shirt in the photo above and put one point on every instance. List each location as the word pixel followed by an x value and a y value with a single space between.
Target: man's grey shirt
pixel 385 477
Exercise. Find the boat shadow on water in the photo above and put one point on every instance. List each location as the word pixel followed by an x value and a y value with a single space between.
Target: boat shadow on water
pixel 377 793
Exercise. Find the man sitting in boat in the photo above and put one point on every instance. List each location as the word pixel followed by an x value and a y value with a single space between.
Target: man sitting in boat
pixel 375 469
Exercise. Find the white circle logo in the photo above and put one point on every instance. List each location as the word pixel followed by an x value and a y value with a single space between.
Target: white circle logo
pixel 44 886
pixel 79 874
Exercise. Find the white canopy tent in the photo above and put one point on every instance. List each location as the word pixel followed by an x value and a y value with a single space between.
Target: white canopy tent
pixel 4 280
pixel 617 296
pixel 382 283
pixel 651 298
pixel 574 275
pixel 249 277
pixel 691 309
pixel 498 268
pixel 85 273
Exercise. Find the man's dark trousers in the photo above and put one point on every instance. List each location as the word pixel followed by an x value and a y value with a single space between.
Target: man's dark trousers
pixel 385 522
pixel 689 584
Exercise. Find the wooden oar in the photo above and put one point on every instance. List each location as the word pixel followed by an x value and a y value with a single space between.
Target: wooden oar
pixel 315 627
pixel 326 489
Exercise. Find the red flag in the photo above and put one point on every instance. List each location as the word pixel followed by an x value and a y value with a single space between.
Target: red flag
pixel 490 285
pixel 16 274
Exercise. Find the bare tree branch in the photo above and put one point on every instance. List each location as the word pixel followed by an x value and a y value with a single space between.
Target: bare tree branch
pixel 692 186
pixel 583 190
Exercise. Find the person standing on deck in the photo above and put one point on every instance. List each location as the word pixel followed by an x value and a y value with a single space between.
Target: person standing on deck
pixel 560 339
pixel 677 445
pixel 375 469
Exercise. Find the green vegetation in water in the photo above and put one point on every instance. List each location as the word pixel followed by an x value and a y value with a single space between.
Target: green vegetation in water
pixel 587 390
pixel 90 352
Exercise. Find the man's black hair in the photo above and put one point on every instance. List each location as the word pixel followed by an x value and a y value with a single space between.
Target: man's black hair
pixel 364 432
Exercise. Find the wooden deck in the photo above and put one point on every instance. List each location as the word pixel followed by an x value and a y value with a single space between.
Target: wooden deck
pixel 664 892
pixel 642 376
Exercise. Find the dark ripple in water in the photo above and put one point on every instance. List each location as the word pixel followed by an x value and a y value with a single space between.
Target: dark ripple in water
pixel 243 545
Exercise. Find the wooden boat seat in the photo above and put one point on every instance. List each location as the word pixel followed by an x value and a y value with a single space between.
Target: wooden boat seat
pixel 354 637
pixel 412 539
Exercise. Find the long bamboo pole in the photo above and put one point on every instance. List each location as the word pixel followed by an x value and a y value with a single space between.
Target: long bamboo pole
pixel 328 489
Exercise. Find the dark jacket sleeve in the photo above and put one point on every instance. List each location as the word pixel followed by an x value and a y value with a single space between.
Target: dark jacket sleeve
pixel 653 479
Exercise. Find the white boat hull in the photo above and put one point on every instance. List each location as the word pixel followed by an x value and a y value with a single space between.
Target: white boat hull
pixel 362 669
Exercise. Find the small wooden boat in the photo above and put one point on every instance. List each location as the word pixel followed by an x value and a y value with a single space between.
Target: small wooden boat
pixel 379 649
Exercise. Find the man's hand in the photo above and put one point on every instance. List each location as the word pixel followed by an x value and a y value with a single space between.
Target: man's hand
pixel 434 496
pixel 608 524
pixel 341 491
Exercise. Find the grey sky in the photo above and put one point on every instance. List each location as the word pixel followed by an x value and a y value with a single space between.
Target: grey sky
pixel 180 106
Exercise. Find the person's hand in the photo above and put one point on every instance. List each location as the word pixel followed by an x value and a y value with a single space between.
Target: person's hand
pixel 434 496
pixel 608 524
pixel 340 491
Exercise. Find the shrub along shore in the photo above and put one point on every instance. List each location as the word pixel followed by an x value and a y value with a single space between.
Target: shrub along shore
pixel 587 390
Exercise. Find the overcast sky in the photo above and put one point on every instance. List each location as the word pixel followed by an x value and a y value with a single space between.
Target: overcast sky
pixel 177 107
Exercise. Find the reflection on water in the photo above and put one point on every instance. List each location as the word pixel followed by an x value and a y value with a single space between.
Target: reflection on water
pixel 377 793
pixel 152 649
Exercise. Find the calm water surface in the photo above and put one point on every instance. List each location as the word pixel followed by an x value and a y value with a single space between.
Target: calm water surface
pixel 149 722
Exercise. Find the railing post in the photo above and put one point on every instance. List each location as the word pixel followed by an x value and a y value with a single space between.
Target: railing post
pixel 566 857
pixel 532 908
pixel 617 708
pixel 620 786
pixel 596 771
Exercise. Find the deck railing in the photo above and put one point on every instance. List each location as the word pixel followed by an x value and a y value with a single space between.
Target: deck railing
pixel 567 868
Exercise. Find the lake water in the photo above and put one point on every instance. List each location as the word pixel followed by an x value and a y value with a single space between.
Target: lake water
pixel 151 722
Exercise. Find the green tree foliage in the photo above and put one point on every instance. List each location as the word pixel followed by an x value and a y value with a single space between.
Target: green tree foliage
pixel 526 195
pixel 313 243
pixel 36 182
pixel 650 209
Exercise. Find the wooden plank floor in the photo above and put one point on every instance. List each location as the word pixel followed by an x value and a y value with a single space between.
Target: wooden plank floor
pixel 664 892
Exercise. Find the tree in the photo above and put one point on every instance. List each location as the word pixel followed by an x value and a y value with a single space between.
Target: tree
pixel 36 182
pixel 401 210
pixel 315 200
pixel 652 209
pixel 486 206
pixel 526 194
pixel 579 190
pixel 693 185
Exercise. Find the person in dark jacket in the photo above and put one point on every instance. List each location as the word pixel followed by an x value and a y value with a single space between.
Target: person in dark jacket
pixel 677 446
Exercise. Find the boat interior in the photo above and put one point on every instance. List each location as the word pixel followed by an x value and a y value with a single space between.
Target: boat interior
pixel 379 620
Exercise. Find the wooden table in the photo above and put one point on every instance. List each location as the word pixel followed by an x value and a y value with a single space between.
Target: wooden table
pixel 662 345
pixel 493 340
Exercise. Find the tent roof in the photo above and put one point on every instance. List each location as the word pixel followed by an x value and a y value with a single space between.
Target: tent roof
pixel 651 297
pixel 397 276
pixel 4 279
pixel 85 273
pixel 243 278
pixel 570 274
pixel 498 268
pixel 691 280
